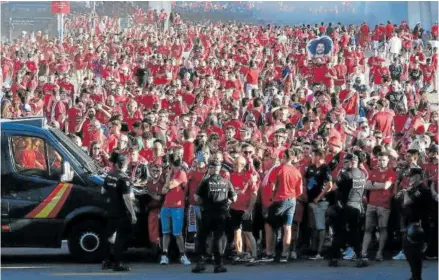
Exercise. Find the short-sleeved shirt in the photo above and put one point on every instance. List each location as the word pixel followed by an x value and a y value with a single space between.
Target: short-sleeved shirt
pixel 117 184
pixel 316 179
pixel 242 182
pixel 289 180
pixel 175 198
pixel 215 193
pixel 381 198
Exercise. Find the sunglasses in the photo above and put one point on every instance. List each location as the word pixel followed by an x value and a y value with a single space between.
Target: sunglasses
pixel 96 148
pixel 247 152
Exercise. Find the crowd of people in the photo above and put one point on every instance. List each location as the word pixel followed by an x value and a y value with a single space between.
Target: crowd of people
pixel 178 100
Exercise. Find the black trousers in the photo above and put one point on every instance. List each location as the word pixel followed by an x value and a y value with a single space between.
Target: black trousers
pixel 216 224
pixel 124 230
pixel 414 255
pixel 339 218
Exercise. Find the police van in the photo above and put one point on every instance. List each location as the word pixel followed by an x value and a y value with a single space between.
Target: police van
pixel 51 191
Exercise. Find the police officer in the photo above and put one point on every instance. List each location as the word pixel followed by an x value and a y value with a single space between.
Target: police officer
pixel 417 202
pixel 348 208
pixel 215 195
pixel 121 212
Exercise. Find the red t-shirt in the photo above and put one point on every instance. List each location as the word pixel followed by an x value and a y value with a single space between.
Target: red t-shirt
pixel 290 182
pixel 381 198
pixel 188 152
pixel 252 76
pixel 194 179
pixel 351 105
pixel 175 198
pixel 383 122
pixel 242 183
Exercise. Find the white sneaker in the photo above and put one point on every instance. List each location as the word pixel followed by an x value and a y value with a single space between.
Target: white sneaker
pixel 184 260
pixel 348 251
pixel 316 257
pixel 350 256
pixel 399 257
pixel 164 260
pixel 293 255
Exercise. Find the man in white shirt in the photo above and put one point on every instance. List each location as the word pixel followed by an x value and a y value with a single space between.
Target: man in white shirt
pixel 395 45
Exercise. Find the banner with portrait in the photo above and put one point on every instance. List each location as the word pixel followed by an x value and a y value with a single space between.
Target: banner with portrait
pixel 320 47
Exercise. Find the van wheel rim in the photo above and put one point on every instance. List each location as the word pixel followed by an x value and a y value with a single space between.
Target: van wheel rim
pixel 89 242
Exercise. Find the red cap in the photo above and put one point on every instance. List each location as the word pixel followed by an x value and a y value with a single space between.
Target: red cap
pixel 420 130
pixel 335 141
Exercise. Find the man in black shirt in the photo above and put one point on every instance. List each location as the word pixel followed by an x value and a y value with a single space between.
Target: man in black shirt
pixel 348 208
pixel 215 195
pixel 318 182
pixel 120 212
pixel 395 70
pixel 417 202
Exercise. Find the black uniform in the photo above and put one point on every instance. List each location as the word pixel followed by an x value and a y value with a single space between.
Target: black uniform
pixel 117 184
pixel 416 206
pixel 215 193
pixel 347 211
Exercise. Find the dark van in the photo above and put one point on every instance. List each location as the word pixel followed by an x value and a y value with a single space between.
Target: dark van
pixel 51 191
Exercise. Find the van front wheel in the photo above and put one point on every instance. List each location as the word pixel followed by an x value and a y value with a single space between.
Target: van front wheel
pixel 86 242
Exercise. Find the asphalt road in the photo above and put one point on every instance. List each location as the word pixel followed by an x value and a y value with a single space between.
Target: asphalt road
pixel 24 263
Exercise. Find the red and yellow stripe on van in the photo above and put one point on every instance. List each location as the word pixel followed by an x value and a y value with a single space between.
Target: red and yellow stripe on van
pixel 51 206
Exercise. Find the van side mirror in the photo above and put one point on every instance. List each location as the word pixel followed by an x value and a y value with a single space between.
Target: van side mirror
pixel 67 175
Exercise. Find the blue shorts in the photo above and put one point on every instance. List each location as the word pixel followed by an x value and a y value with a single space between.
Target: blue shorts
pixel 174 216
pixel 281 213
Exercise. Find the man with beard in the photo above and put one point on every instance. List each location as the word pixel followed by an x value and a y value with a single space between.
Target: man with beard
pixel 84 125
pixel 173 207
pixel 417 201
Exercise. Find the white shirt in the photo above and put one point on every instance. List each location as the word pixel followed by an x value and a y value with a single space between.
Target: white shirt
pixel 395 45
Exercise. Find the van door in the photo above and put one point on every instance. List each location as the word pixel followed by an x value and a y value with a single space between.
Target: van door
pixel 4 202
pixel 34 194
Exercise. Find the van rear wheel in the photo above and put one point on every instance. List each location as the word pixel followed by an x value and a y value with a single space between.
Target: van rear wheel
pixel 86 241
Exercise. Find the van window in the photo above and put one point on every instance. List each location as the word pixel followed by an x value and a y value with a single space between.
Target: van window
pixel 34 157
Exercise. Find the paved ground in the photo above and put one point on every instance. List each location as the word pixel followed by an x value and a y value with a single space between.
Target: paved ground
pixel 19 264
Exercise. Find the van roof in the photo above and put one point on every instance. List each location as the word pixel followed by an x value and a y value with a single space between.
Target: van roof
pixel 36 122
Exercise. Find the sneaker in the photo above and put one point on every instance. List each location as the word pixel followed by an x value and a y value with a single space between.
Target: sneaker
pixel 399 257
pixel 164 260
pixel 431 258
pixel 351 256
pixel 362 262
pixel 247 258
pixel 316 258
pixel 184 260
pixel 198 268
pixel 219 269
pixel 107 265
pixel 333 263
pixel 348 251
pixel 121 268
pixel 267 258
pixel 293 255
pixel 283 259
pixel 379 258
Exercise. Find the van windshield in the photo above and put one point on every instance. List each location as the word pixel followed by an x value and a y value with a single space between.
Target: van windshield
pixel 86 161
